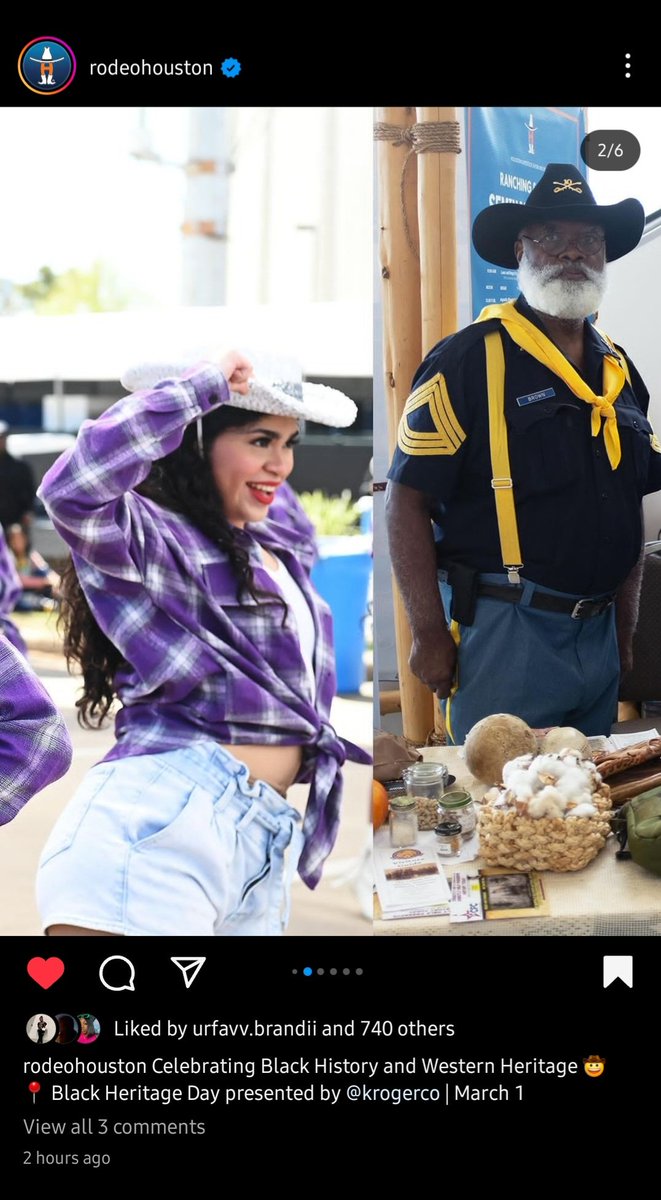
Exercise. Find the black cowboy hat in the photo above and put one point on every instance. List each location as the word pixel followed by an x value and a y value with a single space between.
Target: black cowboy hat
pixel 562 194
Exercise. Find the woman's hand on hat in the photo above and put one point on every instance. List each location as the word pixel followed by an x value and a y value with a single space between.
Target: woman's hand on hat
pixel 237 370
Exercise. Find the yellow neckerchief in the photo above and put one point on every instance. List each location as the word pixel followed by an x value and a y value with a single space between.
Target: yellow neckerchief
pixel 537 344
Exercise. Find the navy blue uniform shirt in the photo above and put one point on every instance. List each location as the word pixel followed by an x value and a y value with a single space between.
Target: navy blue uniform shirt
pixel 579 521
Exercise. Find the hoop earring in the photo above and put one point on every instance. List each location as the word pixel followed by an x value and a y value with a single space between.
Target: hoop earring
pixel 200 441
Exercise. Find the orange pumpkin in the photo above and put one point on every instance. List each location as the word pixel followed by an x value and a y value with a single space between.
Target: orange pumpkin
pixel 379 804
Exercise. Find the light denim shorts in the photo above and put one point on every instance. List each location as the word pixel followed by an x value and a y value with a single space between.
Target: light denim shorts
pixel 175 843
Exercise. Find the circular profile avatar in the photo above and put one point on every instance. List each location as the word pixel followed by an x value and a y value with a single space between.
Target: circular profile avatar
pixel 47 66
pixel 41 1029
pixel 68 1029
pixel 89 1028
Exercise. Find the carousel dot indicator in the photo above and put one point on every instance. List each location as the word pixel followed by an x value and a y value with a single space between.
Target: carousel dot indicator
pixel 308 971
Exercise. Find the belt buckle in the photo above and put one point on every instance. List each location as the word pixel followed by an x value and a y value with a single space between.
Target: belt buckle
pixel 577 611
pixel 596 607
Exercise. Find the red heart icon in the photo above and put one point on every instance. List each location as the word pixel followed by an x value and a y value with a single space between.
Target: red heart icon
pixel 45 971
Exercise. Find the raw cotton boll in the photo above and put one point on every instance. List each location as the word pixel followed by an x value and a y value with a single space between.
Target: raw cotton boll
pixel 582 810
pixel 517 767
pixel 548 766
pixel 520 783
pixel 566 738
pixel 574 784
pixel 547 803
pixel 494 741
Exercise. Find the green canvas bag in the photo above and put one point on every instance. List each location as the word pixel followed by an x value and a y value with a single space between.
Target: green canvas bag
pixel 642 830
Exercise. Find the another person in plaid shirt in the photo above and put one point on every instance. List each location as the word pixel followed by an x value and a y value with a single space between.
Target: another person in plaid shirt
pixel 35 748
pixel 197 612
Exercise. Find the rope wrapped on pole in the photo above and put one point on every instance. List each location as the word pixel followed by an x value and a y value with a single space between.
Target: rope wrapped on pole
pixel 422 137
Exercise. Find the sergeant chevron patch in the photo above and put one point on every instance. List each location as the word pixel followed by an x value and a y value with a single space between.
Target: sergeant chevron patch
pixel 429 424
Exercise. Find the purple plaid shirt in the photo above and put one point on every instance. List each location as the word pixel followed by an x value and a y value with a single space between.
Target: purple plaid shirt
pixel 198 663
pixel 11 588
pixel 35 748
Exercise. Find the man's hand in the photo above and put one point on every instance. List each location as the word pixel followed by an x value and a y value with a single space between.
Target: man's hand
pixel 433 659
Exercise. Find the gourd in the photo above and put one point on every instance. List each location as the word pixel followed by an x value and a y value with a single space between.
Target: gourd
pixel 495 740
pixel 565 738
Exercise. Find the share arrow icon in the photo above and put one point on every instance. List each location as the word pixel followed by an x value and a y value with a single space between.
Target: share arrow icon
pixel 189 967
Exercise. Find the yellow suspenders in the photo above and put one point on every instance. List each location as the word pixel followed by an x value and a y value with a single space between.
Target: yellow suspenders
pixel 503 488
pixel 501 482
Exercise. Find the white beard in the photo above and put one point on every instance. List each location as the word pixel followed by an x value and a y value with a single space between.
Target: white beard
pixel 568 298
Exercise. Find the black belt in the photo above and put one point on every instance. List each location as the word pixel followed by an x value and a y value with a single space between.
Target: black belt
pixel 581 609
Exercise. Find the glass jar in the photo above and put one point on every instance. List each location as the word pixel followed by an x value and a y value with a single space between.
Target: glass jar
pixel 425 783
pixel 403 821
pixel 457 805
pixel 448 838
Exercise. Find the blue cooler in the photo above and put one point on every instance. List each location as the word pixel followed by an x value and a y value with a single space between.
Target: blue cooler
pixel 342 576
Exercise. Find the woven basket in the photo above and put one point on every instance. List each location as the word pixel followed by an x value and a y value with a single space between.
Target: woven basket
pixel 549 844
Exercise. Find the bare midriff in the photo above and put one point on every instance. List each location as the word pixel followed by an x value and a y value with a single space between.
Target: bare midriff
pixel 277 765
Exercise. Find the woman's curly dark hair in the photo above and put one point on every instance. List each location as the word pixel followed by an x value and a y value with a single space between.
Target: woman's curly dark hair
pixel 181 482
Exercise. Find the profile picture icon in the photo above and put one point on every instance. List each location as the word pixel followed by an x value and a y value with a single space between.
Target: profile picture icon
pixel 68 1029
pixel 41 1029
pixel 89 1029
pixel 47 66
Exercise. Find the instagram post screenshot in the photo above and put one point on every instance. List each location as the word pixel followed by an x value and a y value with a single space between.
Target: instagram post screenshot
pixel 330 525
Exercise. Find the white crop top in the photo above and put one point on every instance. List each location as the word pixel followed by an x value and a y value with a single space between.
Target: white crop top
pixel 299 616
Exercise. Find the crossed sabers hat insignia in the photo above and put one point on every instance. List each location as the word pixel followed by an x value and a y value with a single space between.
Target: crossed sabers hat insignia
pixel 567 185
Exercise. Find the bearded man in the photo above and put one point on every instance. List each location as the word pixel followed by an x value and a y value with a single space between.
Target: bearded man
pixel 526 442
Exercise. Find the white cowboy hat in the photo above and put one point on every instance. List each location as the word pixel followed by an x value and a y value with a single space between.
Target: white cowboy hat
pixel 271 390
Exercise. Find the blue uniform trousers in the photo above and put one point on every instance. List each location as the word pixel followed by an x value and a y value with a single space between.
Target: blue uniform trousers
pixel 547 668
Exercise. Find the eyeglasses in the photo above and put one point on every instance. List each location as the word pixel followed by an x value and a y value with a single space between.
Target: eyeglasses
pixel 557 243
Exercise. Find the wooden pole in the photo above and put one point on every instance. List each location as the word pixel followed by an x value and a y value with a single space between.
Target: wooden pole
pixel 438 140
pixel 390 702
pixel 437 226
pixel 399 262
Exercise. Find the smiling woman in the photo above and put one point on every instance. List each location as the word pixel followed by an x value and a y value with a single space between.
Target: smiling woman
pixel 249 464
pixel 189 599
